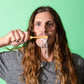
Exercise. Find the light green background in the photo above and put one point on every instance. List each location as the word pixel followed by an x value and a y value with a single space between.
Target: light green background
pixel 15 14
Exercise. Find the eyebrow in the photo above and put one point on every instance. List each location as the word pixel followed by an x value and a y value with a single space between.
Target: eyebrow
pixel 46 21
pixel 50 21
pixel 37 21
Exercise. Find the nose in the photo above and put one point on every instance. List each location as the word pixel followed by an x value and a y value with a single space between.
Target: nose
pixel 43 29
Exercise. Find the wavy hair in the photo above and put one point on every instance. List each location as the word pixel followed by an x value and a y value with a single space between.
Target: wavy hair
pixel 62 56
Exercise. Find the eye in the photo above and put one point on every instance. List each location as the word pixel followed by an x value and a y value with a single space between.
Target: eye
pixel 50 24
pixel 37 24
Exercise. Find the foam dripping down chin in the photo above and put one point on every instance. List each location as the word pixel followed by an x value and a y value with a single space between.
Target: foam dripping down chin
pixel 45 45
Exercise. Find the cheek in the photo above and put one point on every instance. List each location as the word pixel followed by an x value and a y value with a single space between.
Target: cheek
pixel 51 31
pixel 52 36
pixel 36 31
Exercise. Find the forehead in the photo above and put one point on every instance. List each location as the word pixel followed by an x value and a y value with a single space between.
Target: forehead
pixel 43 16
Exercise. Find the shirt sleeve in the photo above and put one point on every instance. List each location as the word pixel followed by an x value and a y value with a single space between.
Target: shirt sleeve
pixel 10 65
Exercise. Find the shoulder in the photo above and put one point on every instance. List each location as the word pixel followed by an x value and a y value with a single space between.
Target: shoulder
pixel 10 57
pixel 79 64
pixel 10 54
pixel 78 60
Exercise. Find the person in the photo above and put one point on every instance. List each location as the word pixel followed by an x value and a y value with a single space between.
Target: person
pixel 29 64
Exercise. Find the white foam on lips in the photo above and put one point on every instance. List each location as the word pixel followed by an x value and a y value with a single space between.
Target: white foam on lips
pixel 44 40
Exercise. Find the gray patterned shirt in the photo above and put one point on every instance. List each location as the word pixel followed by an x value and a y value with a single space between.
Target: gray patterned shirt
pixel 10 68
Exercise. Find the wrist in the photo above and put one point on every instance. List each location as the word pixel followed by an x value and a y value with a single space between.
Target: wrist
pixel 3 41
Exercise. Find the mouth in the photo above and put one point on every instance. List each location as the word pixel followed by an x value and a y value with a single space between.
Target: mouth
pixel 44 40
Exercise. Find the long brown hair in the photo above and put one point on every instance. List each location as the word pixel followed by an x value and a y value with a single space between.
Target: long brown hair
pixel 62 55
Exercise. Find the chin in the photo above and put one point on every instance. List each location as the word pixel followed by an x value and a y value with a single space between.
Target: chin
pixel 41 45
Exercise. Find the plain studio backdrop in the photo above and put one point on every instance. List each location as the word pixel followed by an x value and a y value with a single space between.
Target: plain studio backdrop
pixel 15 14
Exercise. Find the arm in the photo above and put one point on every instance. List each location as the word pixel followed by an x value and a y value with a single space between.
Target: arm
pixel 2 42
pixel 14 38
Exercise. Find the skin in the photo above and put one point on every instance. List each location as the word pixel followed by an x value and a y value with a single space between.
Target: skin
pixel 44 25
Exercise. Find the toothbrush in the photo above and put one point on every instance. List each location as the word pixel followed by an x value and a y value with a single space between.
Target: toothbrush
pixel 32 37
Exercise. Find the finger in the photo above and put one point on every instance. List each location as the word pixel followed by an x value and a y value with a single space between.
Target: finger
pixel 12 36
pixel 15 43
pixel 26 36
pixel 17 35
pixel 22 35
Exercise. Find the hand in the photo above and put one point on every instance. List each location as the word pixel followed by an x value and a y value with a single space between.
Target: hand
pixel 16 37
